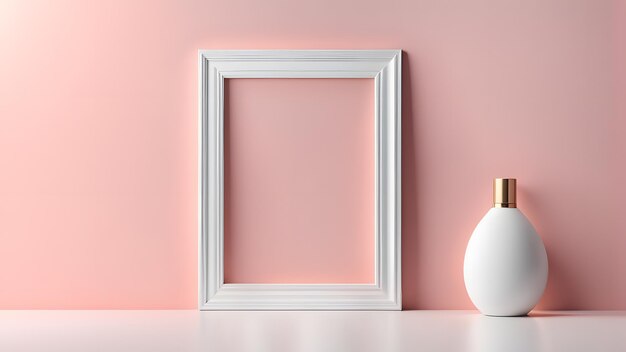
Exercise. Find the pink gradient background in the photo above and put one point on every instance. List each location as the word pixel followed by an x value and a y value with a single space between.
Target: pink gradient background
pixel 299 181
pixel 98 138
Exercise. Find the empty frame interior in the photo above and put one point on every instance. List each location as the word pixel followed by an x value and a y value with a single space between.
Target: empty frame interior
pixel 299 178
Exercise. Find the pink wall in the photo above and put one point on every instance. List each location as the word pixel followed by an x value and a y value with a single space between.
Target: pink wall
pixel 98 138
pixel 299 183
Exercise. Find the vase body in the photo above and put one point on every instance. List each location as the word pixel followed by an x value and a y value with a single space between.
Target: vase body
pixel 506 266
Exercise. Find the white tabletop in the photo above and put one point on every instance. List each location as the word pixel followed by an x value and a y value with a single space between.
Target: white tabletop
pixel 188 330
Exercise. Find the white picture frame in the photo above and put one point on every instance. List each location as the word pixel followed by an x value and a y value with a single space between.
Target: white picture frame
pixel 384 66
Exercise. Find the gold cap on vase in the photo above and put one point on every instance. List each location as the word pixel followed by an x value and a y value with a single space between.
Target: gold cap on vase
pixel 504 193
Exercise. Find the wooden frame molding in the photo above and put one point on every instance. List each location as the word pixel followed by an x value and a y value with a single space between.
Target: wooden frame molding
pixel 384 66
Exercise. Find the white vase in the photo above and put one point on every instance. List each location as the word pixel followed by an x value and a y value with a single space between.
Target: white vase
pixel 506 266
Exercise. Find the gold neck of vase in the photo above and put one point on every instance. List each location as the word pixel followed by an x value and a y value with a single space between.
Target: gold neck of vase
pixel 504 193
